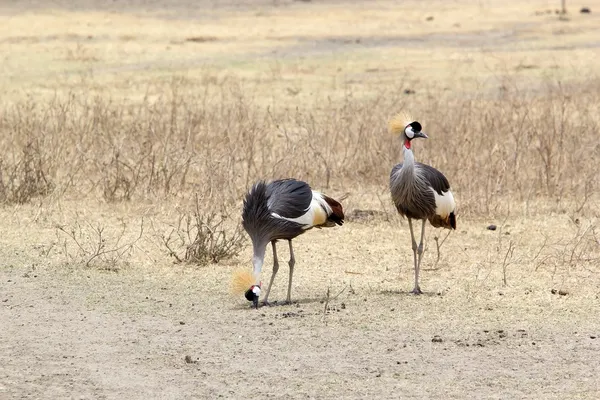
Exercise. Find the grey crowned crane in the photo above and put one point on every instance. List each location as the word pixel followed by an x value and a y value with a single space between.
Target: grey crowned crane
pixel 282 210
pixel 419 191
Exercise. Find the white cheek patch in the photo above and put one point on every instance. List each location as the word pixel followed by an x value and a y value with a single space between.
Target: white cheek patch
pixel 409 132
pixel 256 290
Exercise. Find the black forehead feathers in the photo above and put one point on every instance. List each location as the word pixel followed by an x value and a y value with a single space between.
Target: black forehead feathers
pixel 416 126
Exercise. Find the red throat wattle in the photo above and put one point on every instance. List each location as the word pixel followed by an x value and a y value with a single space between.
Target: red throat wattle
pixel 407 144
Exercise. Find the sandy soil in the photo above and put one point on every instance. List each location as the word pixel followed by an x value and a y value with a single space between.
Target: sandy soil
pixel 492 324
pixel 291 50
pixel 75 332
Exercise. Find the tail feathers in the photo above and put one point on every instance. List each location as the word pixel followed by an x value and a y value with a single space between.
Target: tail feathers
pixel 452 220
pixel 448 222
pixel 337 212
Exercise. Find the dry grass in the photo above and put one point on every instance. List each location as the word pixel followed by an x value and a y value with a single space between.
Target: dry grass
pixel 502 153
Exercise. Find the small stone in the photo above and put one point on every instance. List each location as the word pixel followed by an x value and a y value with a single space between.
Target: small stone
pixel 585 10
pixel 437 339
pixel 553 291
pixel 188 359
pixel 343 305
pixel 430 18
pixel 181 323
pixel 491 227
pixel 563 292
pixel 593 337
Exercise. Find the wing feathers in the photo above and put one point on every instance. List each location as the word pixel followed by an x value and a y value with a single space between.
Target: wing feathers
pixel 289 198
pixel 435 178
pixel 322 211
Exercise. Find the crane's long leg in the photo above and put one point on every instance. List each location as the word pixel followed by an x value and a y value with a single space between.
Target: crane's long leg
pixel 417 289
pixel 420 254
pixel 275 269
pixel 291 263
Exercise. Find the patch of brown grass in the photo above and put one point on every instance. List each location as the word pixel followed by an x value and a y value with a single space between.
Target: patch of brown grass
pixel 501 151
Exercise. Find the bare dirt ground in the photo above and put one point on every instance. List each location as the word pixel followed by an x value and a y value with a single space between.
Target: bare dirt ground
pixel 74 332
pixel 510 313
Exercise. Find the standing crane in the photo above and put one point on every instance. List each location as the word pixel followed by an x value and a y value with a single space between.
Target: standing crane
pixel 283 210
pixel 419 191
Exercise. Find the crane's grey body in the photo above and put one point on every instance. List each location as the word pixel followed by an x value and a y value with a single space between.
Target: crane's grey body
pixel 282 210
pixel 421 192
pixel 413 191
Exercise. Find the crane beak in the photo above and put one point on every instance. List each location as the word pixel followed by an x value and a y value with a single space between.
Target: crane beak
pixel 421 135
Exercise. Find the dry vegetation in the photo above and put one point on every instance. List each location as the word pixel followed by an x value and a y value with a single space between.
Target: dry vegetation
pixel 127 146
pixel 501 150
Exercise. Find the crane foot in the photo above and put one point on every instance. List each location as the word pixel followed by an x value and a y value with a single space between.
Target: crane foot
pixel 416 290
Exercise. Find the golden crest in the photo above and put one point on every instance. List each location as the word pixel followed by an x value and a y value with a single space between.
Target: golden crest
pixel 399 121
pixel 242 280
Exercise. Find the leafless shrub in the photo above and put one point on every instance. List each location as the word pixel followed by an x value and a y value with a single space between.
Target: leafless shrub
pixel 24 178
pixel 580 249
pixel 202 237
pixel 119 180
pixel 438 246
pixel 91 246
pixel 327 299
pixel 508 259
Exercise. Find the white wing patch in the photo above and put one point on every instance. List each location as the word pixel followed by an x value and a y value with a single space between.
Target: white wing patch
pixel 444 204
pixel 316 213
